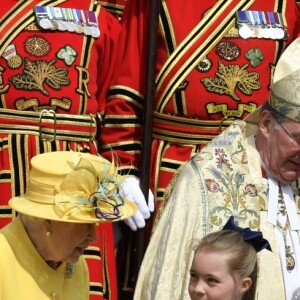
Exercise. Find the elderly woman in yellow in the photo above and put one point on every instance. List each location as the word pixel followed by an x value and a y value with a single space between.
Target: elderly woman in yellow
pixel 41 250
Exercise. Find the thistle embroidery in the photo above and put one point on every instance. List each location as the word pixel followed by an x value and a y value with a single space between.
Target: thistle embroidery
pixel 38 73
pixel 230 78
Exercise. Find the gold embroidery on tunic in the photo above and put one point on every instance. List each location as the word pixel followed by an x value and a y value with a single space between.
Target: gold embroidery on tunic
pixel 38 73
pixel 212 108
pixel 3 88
pixel 232 77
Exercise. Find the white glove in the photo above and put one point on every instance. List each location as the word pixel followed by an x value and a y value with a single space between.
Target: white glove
pixel 131 190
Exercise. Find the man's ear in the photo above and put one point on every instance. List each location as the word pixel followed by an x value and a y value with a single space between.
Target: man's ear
pixel 266 121
pixel 246 284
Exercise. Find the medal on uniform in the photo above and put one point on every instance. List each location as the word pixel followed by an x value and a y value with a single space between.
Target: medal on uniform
pixel 13 59
pixel 77 16
pixel 272 30
pixel 275 31
pixel 259 25
pixel 265 29
pixel 93 23
pixel 71 26
pixel 68 19
pixel 280 31
pixel 252 23
pixel 244 25
pixel 54 25
pixel 86 27
pixel 284 27
pixel 42 17
pixel 245 31
pixel 59 18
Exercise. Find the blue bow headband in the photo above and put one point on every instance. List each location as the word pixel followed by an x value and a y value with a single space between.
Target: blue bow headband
pixel 253 237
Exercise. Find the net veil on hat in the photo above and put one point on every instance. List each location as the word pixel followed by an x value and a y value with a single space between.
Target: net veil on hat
pixel 73 187
pixel 285 89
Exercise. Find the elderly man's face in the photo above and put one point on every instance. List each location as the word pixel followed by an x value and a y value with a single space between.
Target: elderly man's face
pixel 278 150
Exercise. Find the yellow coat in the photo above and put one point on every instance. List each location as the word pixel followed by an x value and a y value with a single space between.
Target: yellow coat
pixel 24 275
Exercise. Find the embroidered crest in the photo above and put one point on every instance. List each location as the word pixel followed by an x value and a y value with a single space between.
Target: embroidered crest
pixel 228 50
pixel 232 77
pixel 38 73
pixel 67 54
pixel 255 57
pixel 37 46
pixel 204 65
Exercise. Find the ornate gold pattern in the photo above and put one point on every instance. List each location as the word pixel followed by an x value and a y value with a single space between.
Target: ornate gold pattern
pixel 83 128
pixel 37 73
pixel 3 88
pixel 228 50
pixel 166 84
pixel 33 27
pixel 37 46
pixel 230 188
pixel 289 258
pixel 15 62
pixel 204 65
pixel 213 108
pixel 232 77
pixel 232 32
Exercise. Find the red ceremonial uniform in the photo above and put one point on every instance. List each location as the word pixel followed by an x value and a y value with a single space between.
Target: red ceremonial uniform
pixel 205 74
pixel 53 84
pixel 116 7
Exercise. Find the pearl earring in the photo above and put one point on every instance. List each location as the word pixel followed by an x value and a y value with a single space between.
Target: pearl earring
pixel 48 233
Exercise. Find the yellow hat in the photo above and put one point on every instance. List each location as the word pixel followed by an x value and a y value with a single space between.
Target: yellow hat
pixel 73 187
pixel 285 89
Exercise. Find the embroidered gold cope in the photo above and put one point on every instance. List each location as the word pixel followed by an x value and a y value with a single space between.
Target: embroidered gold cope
pixel 224 179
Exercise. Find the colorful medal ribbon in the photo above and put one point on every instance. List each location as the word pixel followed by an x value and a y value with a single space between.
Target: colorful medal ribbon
pixel 260 24
pixel 68 19
pixel 20 16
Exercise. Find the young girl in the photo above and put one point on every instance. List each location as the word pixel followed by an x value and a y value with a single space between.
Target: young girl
pixel 224 266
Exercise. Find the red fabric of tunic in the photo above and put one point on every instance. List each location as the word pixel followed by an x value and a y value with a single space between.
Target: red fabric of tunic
pixel 66 72
pixel 232 80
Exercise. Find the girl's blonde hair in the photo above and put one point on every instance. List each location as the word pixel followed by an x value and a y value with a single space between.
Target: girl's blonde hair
pixel 242 259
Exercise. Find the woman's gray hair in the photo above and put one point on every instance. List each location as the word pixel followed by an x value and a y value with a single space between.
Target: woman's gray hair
pixel 30 221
